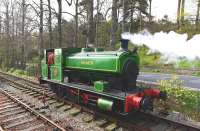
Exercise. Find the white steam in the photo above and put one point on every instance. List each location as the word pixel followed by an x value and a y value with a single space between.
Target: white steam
pixel 172 45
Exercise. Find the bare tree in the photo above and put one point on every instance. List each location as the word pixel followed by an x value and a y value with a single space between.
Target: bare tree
pixel 23 20
pixel 197 14
pixel 125 15
pixel 182 11
pixel 7 21
pixel 7 30
pixel 41 41
pixel 76 24
pixel 178 13
pixel 114 23
pixel 131 15
pixel 12 42
pixel 17 22
pixel 90 31
pixel 97 23
pixel 23 61
pixel 0 27
pixel 59 23
pixel 150 7
pixel 50 24
pixel 13 19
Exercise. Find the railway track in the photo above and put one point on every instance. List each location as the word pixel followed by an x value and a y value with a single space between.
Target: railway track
pixel 17 115
pixel 75 111
pixel 81 118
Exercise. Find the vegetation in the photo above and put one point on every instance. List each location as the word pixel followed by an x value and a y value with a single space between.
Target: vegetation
pixel 184 100
pixel 28 73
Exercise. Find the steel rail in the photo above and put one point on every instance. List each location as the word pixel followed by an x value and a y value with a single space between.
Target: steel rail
pixel 33 111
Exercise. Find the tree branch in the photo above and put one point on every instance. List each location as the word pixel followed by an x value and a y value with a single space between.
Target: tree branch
pixel 37 13
pixel 69 13
pixel 69 3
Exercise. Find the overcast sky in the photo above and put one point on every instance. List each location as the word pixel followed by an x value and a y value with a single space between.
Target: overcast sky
pixel 169 7
pixel 159 8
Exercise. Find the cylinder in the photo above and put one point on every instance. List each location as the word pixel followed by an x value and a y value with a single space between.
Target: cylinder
pixel 105 104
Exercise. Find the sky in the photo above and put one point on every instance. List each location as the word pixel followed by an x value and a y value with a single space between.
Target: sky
pixel 169 7
pixel 159 8
pixel 164 7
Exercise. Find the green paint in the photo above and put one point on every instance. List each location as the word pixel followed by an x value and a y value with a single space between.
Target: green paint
pixel 92 63
pixel 44 59
pixel 98 49
pixel 106 61
pixel 73 58
pixel 56 73
pixel 58 56
pixel 105 104
pixel 100 85
pixel 44 69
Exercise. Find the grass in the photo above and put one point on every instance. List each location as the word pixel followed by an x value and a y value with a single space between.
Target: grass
pixel 180 99
pixel 29 73
pixel 185 63
pixel 196 74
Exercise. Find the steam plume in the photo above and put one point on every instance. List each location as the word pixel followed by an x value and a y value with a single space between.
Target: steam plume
pixel 171 45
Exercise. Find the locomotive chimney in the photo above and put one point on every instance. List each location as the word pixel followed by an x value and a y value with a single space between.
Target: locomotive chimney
pixel 124 45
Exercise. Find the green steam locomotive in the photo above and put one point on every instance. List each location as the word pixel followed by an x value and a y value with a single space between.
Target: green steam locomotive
pixel 98 78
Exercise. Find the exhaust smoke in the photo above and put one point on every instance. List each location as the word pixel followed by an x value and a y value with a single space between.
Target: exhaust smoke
pixel 171 45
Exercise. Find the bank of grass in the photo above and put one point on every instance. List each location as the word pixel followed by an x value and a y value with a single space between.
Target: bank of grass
pixel 181 99
pixel 29 73
pixel 196 74
pixel 17 72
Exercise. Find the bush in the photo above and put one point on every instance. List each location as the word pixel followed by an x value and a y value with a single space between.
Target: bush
pixel 11 70
pixel 31 70
pixel 183 100
pixel 19 72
